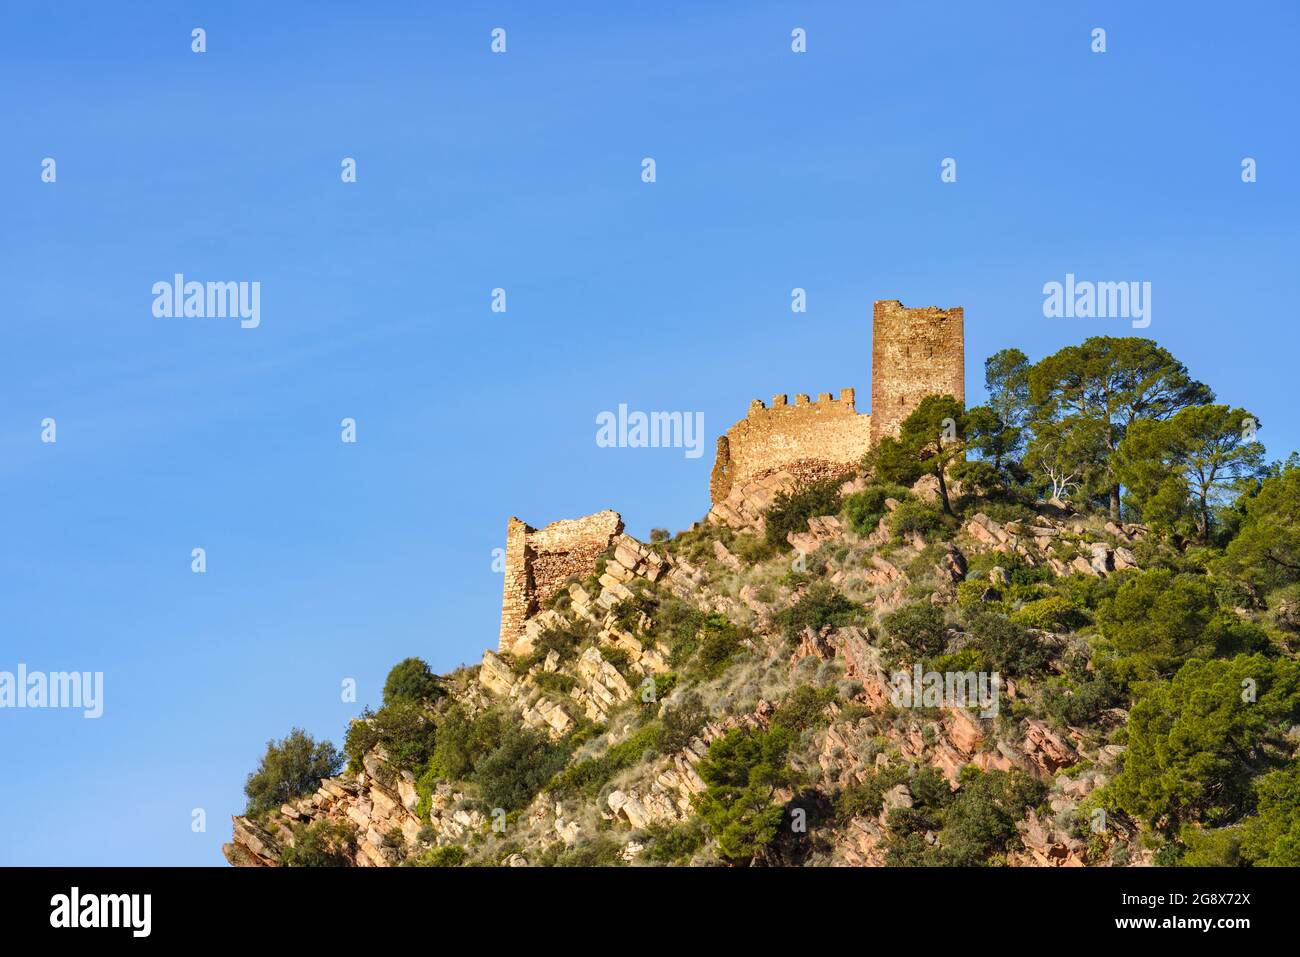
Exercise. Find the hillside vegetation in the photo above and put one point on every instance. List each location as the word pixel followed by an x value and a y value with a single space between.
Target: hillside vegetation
pixel 1101 536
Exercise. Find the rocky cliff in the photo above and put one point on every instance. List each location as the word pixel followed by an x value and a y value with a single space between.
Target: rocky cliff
pixel 638 677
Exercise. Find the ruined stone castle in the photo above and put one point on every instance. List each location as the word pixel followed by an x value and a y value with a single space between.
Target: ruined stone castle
pixel 914 353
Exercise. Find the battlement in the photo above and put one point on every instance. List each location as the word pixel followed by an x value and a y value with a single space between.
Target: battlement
pixel 826 437
pixel 914 353
pixel 825 400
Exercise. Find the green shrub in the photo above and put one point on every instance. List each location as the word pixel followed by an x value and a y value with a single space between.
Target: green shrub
pixel 1007 647
pixel 753 549
pixel 557 681
pixel 321 844
pixel 919 627
pixel 598 851
pixel 589 776
pixel 404 729
pixel 1271 838
pixel 1081 699
pixel 518 768
pixel 674 845
pixel 865 509
pixel 411 680
pixel 1054 613
pixel 914 517
pixel 460 742
pixel 449 855
pixel 1195 742
pixel 1158 619
pixel 822 605
pixel 981 820
pixel 291 768
pixel 803 708
pixel 790 511
pixel 683 722
pixel 971 594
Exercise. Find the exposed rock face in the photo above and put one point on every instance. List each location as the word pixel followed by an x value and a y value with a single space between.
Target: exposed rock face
pixel 587 671
pixel 745 503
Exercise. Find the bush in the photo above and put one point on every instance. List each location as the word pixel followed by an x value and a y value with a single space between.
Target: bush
pixel 752 549
pixel 822 605
pixel 411 680
pixel 450 855
pixel 518 768
pixel 981 820
pixel 460 742
pixel 599 851
pixel 1082 700
pixel 321 844
pixel 913 517
pixel 403 729
pixel 865 509
pixel 674 845
pixel 1158 619
pixel 1007 647
pixel 683 722
pixel 1054 613
pixel 291 768
pixel 919 627
pixel 790 511
pixel 1271 838
pixel 589 776
pixel 803 708
pixel 709 647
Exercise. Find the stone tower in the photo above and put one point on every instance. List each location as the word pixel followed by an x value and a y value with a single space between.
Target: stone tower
pixel 914 353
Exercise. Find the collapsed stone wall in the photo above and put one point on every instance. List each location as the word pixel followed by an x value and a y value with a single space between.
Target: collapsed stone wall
pixel 813 439
pixel 914 353
pixel 539 562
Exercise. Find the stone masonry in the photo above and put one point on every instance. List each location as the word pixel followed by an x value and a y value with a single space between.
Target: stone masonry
pixel 539 562
pixel 914 353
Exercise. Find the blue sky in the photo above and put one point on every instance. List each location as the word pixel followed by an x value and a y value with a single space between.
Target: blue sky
pixel 522 171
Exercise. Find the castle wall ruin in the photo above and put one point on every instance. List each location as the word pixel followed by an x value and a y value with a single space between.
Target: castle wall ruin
pixel 810 439
pixel 914 353
pixel 539 561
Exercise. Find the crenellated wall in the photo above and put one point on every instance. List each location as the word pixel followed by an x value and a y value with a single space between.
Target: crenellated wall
pixel 914 353
pixel 817 438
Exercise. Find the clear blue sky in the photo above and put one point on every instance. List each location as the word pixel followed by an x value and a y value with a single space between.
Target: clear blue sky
pixel 775 170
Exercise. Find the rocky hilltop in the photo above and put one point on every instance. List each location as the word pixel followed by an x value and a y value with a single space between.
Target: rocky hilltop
pixel 924 656
pixel 600 666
